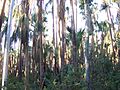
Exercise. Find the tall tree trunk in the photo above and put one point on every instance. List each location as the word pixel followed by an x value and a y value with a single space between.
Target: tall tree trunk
pixel 76 14
pixel 26 45
pixel 74 51
pixel 59 35
pixel 87 52
pixel 118 16
pixel 2 14
pixel 62 18
pixel 34 57
pixel 20 65
pixel 53 16
pixel 112 28
pixel 54 46
pixel 1 21
pixel 6 55
pixel 24 39
pixel 40 48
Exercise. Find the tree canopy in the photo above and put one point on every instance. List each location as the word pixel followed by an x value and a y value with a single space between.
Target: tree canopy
pixel 60 45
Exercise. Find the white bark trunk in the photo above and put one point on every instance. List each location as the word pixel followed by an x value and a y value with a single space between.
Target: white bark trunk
pixel 6 54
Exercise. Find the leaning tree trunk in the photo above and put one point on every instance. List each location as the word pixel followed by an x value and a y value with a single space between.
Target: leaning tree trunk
pixel 112 29
pixel 6 55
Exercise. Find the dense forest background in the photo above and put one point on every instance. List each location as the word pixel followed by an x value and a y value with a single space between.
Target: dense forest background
pixel 60 44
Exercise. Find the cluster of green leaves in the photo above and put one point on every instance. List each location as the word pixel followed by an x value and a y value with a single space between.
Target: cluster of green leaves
pixel 14 84
pixel 105 75
pixel 68 78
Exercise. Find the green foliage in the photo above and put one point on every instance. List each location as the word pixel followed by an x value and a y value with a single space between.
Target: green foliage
pixel 34 17
pixel 102 26
pixel 15 84
pixel 79 38
pixel 104 76
pixel 47 48
pixel 73 79
pixel 66 79
pixel 81 4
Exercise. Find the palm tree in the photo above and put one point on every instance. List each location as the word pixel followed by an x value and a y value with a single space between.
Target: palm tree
pixel 6 55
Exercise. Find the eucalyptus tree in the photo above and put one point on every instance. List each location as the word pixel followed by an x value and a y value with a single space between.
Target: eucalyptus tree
pixel 6 54
pixel 24 39
pixel 62 18
pixel 74 48
pixel 53 16
pixel 55 38
pixel 118 18
pixel 2 14
pixel 59 34
pixel 2 19
pixel 40 43
pixel 60 31
pixel 89 28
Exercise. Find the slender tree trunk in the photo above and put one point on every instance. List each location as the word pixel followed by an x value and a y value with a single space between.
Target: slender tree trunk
pixel 24 39
pixel 74 51
pixel 112 28
pixel 6 55
pixel 40 49
pixel 118 16
pixel 76 14
pixel 34 57
pixel 26 68
pixel 1 21
pixel 87 53
pixel 62 13
pixel 26 45
pixel 58 30
pixel 54 46
pixel 53 16
pixel 20 65
pixel 2 14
